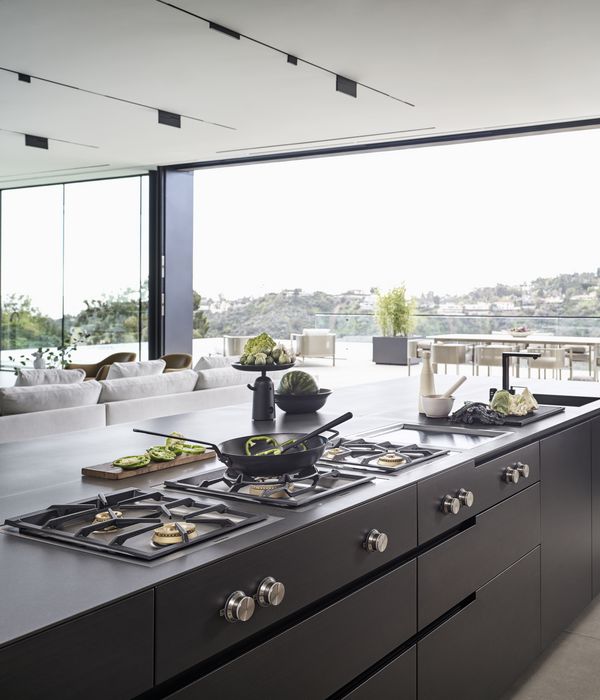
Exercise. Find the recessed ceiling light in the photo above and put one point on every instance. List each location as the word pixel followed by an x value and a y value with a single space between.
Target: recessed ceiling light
pixel 292 59
pixel 24 78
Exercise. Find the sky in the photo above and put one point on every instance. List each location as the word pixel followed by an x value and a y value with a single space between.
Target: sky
pixel 444 218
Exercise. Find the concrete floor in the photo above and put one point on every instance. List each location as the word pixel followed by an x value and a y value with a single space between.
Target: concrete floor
pixel 570 668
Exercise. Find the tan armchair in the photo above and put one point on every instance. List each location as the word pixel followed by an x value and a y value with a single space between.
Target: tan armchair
pixel 314 342
pixel 177 361
pixel 99 370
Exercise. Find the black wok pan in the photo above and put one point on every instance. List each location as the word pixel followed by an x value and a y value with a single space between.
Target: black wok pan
pixel 297 459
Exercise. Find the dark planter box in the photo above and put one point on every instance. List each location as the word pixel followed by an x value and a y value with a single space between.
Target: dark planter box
pixel 391 350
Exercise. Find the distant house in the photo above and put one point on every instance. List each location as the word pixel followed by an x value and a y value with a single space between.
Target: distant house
pixel 450 309
pixel 479 307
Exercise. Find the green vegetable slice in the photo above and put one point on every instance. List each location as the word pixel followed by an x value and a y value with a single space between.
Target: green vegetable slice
pixel 160 453
pixel 132 462
pixel 255 439
pixel 175 439
pixel 188 448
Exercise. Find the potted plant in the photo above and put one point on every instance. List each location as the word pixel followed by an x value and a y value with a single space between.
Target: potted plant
pixel 393 312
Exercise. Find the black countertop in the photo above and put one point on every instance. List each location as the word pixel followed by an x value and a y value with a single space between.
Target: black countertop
pixel 43 584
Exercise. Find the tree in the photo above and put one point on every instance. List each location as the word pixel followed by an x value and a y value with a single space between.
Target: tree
pixel 25 326
pixel 200 322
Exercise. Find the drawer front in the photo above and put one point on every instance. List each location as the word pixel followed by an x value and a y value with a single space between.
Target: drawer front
pixel 324 652
pixel 499 537
pixel 75 660
pixel 395 681
pixel 311 563
pixel 486 481
pixel 482 649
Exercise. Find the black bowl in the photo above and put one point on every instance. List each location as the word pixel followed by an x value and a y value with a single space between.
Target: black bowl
pixel 308 403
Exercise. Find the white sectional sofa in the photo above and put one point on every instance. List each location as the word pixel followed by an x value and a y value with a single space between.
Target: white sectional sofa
pixel 34 411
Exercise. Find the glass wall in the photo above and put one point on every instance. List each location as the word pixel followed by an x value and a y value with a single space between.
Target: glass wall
pixel 505 227
pixel 74 267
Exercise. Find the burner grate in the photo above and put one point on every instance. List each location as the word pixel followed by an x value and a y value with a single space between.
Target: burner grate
pixel 382 457
pixel 127 534
pixel 287 491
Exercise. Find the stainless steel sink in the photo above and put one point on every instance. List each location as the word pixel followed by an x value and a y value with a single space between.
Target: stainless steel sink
pixel 448 436
pixel 563 400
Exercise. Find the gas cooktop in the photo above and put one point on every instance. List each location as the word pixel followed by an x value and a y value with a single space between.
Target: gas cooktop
pixel 133 523
pixel 379 456
pixel 285 491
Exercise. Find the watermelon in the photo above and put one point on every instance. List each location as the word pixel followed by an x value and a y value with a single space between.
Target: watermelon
pixel 297 383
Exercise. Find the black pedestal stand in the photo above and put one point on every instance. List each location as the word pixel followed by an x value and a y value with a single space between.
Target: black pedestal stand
pixel 263 401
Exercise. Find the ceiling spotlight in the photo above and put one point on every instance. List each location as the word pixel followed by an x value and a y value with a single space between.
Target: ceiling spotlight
pixel 169 118
pixel 292 59
pixel 24 78
pixel 36 141
pixel 345 85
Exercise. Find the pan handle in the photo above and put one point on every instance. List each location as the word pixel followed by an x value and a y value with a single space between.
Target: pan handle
pixel 212 446
pixel 318 431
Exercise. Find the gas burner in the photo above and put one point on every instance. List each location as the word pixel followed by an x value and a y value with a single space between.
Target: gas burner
pixel 336 452
pixel 133 523
pixel 106 515
pixel 391 459
pixel 173 533
pixel 286 491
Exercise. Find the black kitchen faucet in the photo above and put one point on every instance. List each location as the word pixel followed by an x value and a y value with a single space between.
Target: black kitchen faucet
pixel 506 369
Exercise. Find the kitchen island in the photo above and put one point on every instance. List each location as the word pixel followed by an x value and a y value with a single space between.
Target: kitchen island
pixel 476 591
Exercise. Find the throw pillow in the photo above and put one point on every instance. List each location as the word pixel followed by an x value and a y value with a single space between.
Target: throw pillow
pixel 36 377
pixel 122 370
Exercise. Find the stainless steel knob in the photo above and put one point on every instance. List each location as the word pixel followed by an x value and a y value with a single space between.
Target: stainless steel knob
pixel 239 607
pixel 270 592
pixel 523 469
pixel 511 475
pixel 450 505
pixel 376 541
pixel 466 498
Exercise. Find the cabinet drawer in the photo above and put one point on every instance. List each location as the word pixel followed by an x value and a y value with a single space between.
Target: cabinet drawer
pixel 489 643
pixel 499 537
pixel 312 562
pixel 487 481
pixel 395 681
pixel 75 660
pixel 324 652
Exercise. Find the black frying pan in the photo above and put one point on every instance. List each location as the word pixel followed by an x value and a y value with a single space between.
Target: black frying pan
pixel 233 452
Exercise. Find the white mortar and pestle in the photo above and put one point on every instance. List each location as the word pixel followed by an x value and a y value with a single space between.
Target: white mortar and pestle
pixel 440 405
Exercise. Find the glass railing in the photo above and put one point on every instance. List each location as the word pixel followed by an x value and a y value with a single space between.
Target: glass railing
pixel 362 327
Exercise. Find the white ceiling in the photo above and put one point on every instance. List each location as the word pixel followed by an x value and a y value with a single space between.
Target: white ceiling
pixel 467 65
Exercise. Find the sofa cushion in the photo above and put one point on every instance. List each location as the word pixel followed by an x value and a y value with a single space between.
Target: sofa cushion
pixel 141 409
pixel 152 385
pixel 315 331
pixel 122 370
pixel 228 376
pixel 46 397
pixel 26 426
pixel 212 362
pixel 221 376
pixel 36 377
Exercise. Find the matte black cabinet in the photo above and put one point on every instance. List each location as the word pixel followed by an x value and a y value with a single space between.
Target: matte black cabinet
pixel 325 652
pixel 397 680
pixel 106 654
pixel 566 516
pixel 595 427
pixel 481 650
pixel 312 562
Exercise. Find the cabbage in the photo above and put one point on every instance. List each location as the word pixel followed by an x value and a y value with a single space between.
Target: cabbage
pixel 501 402
pixel 262 343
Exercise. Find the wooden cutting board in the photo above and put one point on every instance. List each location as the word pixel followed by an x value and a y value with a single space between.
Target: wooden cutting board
pixel 107 471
